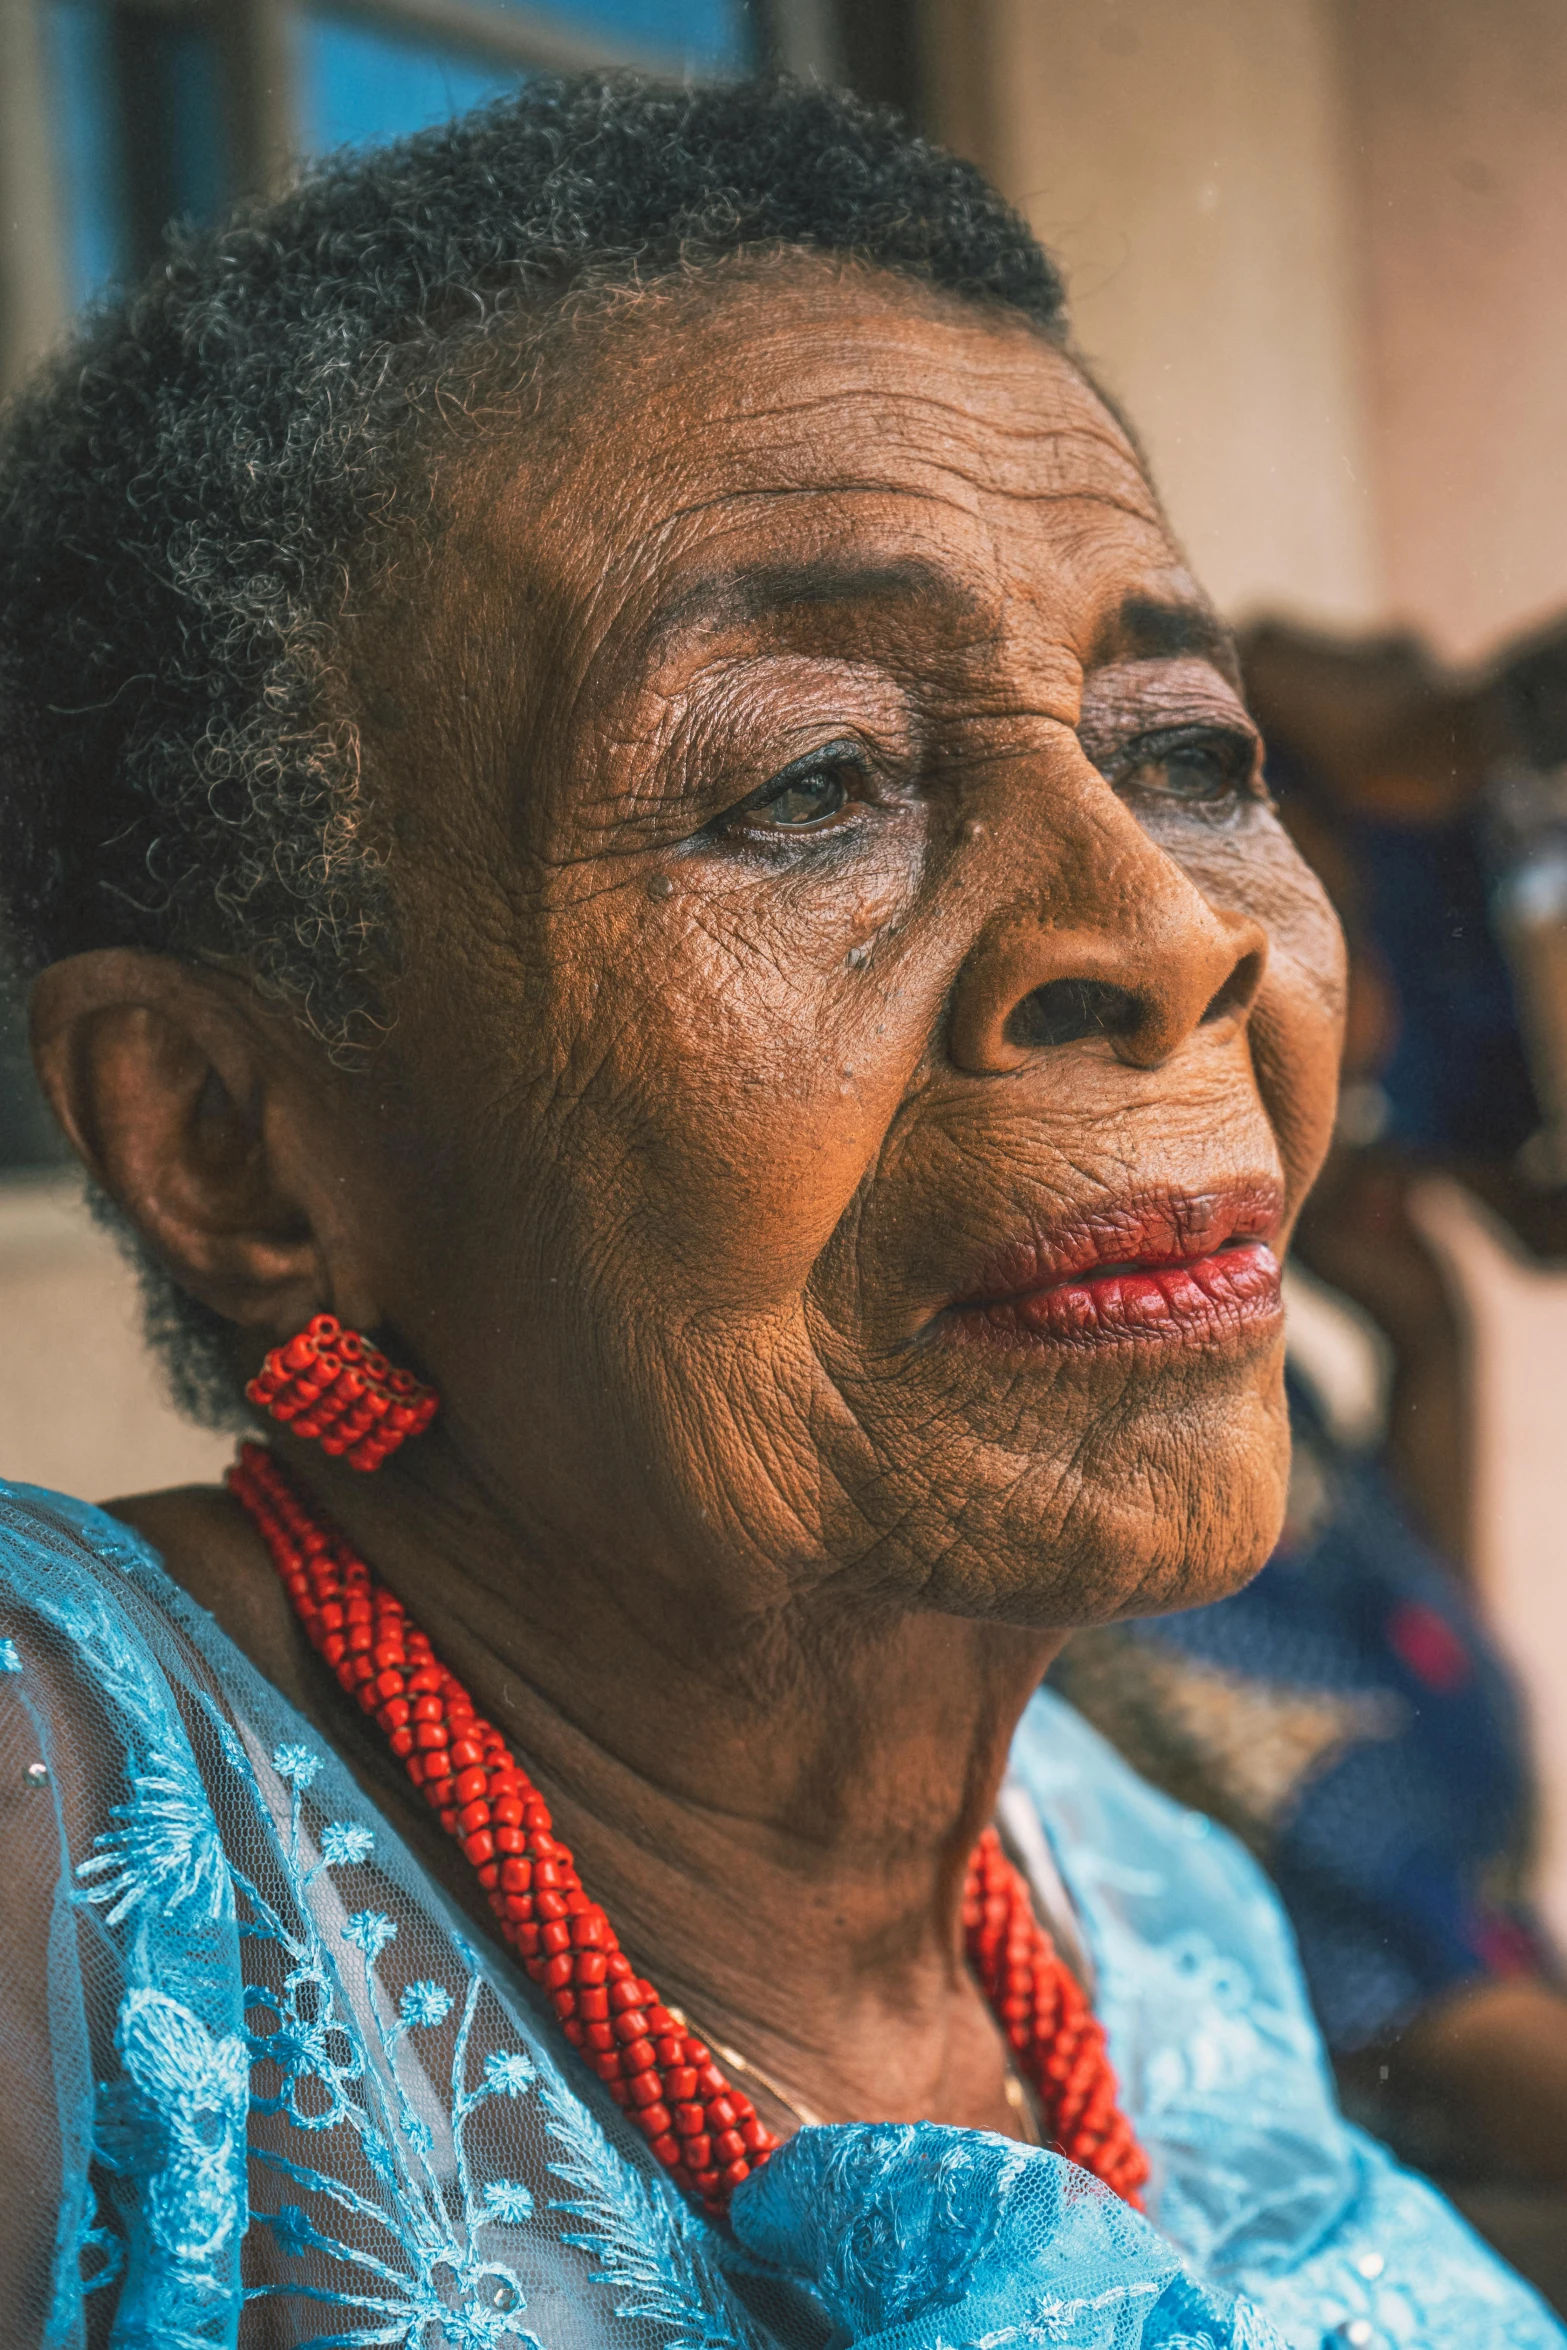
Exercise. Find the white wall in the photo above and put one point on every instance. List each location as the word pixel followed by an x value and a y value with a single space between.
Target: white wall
pixel 1458 120
pixel 1517 1315
pixel 1185 159
pixel 1319 247
pixel 81 1409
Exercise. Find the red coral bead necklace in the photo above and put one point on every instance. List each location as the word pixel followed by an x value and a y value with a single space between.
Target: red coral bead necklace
pixel 704 2130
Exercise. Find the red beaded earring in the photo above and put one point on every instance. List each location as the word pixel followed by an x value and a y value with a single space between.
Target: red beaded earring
pixel 328 1383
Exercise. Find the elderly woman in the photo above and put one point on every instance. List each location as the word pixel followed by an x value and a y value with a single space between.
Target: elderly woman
pixel 651 902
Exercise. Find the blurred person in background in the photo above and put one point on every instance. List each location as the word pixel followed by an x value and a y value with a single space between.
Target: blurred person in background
pixel 1347 1713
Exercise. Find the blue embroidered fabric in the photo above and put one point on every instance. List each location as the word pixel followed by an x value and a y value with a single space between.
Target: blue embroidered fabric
pixel 260 2083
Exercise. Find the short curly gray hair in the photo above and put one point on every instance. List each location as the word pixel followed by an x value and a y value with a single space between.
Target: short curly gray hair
pixel 200 494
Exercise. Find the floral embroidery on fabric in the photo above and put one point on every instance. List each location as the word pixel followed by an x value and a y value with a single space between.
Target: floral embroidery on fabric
pixel 424 2003
pixel 647 2243
pixel 177 2122
pixel 296 1763
pixel 344 1842
pixel 165 1852
pixel 976 2243
pixel 168 2131
pixel 420 2262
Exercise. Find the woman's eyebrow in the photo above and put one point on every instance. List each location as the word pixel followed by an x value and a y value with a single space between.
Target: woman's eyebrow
pixel 1142 628
pixel 722 599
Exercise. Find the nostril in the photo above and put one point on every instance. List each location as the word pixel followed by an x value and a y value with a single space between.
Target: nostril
pixel 1066 1010
pixel 1237 992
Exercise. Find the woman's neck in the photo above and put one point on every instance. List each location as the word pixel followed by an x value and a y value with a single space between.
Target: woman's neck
pixel 789 1870
pixel 778 1824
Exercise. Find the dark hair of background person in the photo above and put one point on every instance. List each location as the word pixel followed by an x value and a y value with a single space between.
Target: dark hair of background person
pixel 208 482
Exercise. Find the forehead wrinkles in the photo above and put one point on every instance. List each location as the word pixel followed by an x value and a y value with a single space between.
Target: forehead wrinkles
pixel 993 451
pixel 910 444
pixel 1033 554
pixel 966 410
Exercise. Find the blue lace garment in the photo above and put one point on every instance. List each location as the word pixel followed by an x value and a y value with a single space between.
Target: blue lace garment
pixel 260 2083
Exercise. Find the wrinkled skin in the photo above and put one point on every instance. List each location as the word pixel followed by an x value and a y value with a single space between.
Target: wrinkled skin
pixel 746 1173
pixel 700 1118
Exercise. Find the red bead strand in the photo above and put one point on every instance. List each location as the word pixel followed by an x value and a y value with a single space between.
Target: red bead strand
pixel 705 2131
pixel 1056 2038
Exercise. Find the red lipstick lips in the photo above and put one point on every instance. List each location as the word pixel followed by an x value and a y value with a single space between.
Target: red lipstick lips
pixel 1178 1268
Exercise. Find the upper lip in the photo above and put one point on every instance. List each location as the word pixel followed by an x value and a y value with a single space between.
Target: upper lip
pixel 1144 1230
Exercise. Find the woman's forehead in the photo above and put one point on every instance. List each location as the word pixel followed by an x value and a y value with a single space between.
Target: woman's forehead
pixel 821 422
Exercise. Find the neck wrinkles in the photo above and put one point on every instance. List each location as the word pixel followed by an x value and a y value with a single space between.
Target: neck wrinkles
pixel 776 1810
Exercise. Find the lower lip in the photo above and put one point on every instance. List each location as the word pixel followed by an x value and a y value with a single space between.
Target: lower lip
pixel 1195 1301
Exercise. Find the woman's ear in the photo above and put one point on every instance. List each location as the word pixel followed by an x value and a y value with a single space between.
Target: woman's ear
pixel 190 1113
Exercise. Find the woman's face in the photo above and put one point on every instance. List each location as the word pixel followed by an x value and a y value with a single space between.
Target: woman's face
pixel 844 923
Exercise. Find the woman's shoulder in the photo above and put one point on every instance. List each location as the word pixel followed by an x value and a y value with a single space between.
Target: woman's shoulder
pixel 116 1903
pixel 1186 1933
pixel 1136 1860
pixel 234 2009
pixel 84 1605
pixel 1256 2175
pixel 42 1532
pixel 1201 1996
pixel 87 1607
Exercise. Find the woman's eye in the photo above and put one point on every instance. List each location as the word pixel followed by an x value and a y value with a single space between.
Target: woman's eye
pixel 1200 766
pixel 807 797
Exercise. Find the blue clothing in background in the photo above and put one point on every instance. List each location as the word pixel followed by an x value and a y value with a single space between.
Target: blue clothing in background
pixel 1457 1080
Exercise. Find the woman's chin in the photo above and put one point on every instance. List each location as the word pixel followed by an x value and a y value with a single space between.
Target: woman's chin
pixel 1143 1512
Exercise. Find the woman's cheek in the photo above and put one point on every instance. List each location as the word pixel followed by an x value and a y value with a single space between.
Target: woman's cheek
pixel 1297 1034
pixel 1297 1022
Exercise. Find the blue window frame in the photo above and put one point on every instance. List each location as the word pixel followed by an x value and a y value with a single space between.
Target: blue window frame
pixel 359 84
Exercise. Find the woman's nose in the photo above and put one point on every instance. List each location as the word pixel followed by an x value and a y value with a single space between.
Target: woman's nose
pixel 1142 961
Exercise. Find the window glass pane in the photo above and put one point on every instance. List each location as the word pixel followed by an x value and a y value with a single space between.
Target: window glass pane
pixel 354 84
pixel 357 84
pixel 705 36
pixel 197 163
pixel 85 143
pixel 91 163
